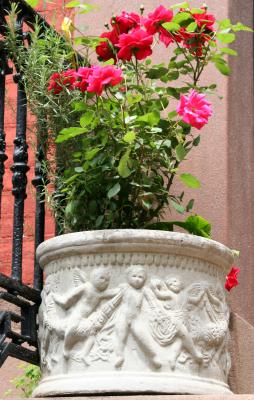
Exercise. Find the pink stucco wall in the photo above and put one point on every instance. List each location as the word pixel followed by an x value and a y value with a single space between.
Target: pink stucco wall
pixel 224 160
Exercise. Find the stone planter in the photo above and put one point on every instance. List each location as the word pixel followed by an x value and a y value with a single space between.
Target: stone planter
pixel 133 311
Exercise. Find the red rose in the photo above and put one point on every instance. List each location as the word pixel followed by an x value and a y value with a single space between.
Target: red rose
pixel 192 41
pixel 153 24
pixel 125 22
pixel 108 75
pixel 58 80
pixel 104 49
pixel 138 43
pixel 83 74
pixel 231 278
pixel 204 20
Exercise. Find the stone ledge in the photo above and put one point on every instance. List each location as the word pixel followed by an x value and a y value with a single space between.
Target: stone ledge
pixel 155 397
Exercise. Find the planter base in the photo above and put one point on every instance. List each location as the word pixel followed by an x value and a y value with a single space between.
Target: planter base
pixel 110 383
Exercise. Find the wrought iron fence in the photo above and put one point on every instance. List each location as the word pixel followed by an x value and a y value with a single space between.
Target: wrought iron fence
pixel 18 329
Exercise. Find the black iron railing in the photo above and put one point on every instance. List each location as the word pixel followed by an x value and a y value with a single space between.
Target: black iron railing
pixel 18 327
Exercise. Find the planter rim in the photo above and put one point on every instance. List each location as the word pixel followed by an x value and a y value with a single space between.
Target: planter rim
pixel 136 240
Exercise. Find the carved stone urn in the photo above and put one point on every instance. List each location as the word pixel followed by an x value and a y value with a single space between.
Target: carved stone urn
pixel 133 311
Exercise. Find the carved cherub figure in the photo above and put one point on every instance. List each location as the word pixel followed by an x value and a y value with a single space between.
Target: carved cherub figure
pixel 169 291
pixel 86 298
pixel 50 327
pixel 127 320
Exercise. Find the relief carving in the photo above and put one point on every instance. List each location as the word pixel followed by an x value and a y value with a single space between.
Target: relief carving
pixel 172 324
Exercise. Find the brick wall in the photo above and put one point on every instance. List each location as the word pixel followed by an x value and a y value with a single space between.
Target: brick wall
pixel 53 12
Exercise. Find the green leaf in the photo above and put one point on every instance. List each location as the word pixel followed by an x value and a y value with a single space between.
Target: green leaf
pixel 222 67
pixel 173 75
pixel 85 8
pixel 111 61
pixel 197 11
pixel 134 98
pixel 241 27
pixel 72 4
pixel 171 26
pixel 181 17
pixel 173 92
pixel 151 118
pixel 229 51
pixel 190 205
pixel 80 106
pixel 180 152
pixel 79 169
pixel 129 137
pixel 226 37
pixel 90 154
pixel 180 209
pixel 192 27
pixel 123 168
pixel 155 73
pixel 190 181
pixel 99 221
pixel 114 190
pixel 172 114
pixel 196 225
pixel 32 3
pixel 225 23
pixel 86 118
pixel 69 133
pixel 184 4
pixel 196 141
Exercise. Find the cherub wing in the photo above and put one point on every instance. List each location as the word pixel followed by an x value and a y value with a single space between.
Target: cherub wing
pixel 195 293
pixel 79 277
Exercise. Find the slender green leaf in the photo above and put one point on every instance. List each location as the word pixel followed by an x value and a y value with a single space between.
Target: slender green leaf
pixel 123 169
pixel 114 190
pixel 180 209
pixel 90 154
pixel 99 221
pixel 196 141
pixel 190 205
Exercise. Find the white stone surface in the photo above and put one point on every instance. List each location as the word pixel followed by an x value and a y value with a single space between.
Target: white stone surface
pixel 130 311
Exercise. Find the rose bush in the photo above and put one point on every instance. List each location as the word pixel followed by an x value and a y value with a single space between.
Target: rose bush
pixel 119 128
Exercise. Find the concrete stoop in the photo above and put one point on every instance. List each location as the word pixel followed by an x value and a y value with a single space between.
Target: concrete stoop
pixel 155 397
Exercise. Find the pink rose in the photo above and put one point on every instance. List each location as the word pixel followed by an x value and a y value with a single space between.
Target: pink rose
pixel 231 278
pixel 138 43
pixel 83 74
pixel 125 22
pixel 194 109
pixel 101 77
pixel 60 79
pixel 153 24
